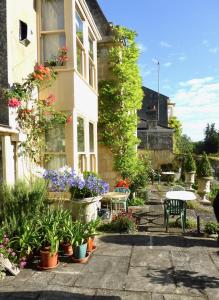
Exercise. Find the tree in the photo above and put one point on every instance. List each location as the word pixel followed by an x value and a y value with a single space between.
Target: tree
pixel 177 126
pixel 211 140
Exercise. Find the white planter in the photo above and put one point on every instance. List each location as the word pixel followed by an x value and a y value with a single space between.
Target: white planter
pixel 190 179
pixel 85 209
pixel 204 188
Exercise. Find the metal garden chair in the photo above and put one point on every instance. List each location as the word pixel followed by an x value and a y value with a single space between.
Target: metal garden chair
pixel 121 202
pixel 175 207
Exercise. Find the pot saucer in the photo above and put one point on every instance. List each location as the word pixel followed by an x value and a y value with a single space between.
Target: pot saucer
pixel 39 267
pixel 81 260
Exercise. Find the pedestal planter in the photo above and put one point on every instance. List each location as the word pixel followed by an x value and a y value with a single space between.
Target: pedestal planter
pixel 190 179
pixel 85 209
pixel 204 188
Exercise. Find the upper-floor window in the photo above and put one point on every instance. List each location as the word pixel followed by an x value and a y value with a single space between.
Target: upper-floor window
pixel 81 57
pixel 92 67
pixel 52 35
pixel 79 27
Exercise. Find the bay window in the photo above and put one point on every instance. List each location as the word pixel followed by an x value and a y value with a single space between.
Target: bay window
pixel 52 31
pixel 55 155
pixel 80 44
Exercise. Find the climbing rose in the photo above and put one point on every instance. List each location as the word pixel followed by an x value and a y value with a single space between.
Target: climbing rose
pixel 14 102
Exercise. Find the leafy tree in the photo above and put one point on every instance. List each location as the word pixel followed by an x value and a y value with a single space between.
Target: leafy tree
pixel 119 100
pixel 185 144
pixel 211 140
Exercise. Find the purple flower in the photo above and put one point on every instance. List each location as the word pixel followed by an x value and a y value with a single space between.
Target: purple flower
pixel 9 250
pixel 13 254
pixel 1 255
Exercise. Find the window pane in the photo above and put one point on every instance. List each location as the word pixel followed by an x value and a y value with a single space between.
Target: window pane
pixel 79 60
pixel 91 48
pixel 80 131
pixel 91 136
pixel 55 139
pixel 56 161
pixel 52 14
pixel 50 44
pixel 79 27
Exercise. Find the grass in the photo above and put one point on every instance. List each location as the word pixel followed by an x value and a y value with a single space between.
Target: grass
pixel 136 202
pixel 190 223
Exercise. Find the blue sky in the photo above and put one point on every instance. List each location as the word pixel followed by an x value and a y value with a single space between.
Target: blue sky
pixel 184 36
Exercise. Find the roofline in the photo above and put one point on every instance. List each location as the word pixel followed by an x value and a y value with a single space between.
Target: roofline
pixel 144 87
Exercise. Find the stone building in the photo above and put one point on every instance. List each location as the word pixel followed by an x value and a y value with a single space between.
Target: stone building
pixel 153 131
pixel 31 32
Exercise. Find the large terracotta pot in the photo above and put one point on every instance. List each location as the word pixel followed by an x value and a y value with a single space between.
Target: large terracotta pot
pixel 190 179
pixel 48 260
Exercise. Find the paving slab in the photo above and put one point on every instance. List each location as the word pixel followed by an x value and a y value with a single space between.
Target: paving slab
pixel 150 280
pixel 122 295
pixel 151 258
pixel 115 281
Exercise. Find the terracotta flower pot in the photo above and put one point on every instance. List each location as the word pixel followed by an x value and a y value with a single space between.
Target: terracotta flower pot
pixel 90 244
pixel 67 249
pixel 48 260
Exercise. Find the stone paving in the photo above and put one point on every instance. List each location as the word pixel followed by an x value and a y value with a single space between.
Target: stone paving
pixel 149 265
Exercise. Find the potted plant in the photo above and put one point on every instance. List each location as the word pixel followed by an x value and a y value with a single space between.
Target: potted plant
pixel 204 174
pixel 68 236
pixel 190 169
pixel 50 235
pixel 91 233
pixel 79 244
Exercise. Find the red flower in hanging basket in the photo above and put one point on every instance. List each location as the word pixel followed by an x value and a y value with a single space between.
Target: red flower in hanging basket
pixel 50 100
pixel 14 102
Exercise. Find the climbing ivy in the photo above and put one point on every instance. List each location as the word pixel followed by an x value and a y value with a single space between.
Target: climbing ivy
pixel 119 100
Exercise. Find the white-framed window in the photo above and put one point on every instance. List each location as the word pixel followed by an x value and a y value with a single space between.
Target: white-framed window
pixel 52 29
pixel 92 147
pixel 55 154
pixel 82 160
pixel 92 67
pixel 81 53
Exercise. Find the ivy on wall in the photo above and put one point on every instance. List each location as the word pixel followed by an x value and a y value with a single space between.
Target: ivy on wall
pixel 119 100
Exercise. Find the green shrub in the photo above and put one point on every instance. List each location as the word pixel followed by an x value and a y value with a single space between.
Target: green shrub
pixel 193 204
pixel 204 167
pixel 212 228
pixel 136 202
pixel 213 192
pixel 189 163
pixel 190 223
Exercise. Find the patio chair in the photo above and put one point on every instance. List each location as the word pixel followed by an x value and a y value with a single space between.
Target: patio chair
pixel 117 203
pixel 177 188
pixel 175 207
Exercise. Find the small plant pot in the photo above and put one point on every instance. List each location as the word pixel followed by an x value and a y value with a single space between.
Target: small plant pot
pixel 90 244
pixel 67 249
pixel 79 252
pixel 48 260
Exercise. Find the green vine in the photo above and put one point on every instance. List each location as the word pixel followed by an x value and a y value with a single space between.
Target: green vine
pixel 34 115
pixel 119 99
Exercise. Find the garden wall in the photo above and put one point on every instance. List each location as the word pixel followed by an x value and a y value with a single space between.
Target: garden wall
pixel 159 157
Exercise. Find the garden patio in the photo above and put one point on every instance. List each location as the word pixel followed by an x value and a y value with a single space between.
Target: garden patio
pixel 150 264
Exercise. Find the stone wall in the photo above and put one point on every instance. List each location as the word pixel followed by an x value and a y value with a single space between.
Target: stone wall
pixel 105 163
pixel 159 157
pixel 4 117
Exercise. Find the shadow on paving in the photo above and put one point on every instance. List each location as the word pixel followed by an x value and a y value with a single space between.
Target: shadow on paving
pixel 186 278
pixel 158 240
pixel 52 295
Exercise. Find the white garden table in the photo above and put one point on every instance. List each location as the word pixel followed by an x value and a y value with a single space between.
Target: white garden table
pixel 180 195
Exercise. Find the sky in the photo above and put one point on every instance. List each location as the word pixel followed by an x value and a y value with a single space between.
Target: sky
pixel 184 36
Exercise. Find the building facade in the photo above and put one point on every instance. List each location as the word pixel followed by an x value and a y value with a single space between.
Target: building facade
pixel 33 32
pixel 153 131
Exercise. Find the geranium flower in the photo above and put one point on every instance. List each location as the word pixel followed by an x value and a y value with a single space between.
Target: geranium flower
pixel 14 102
pixel 69 119
pixel 50 100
